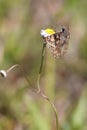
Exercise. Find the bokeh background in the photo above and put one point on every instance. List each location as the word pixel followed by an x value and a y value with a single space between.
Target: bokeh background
pixel 63 80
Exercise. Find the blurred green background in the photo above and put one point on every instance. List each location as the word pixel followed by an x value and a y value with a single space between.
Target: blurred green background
pixel 63 80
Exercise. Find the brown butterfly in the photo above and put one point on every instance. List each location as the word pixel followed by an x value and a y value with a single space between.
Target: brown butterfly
pixel 57 42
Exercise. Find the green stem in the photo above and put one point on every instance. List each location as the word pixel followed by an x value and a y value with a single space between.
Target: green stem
pixel 39 90
pixel 41 65
pixel 42 57
pixel 54 109
pixel 56 115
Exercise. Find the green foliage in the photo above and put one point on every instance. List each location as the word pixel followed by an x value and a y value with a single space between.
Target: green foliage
pixel 4 8
pixel 83 48
pixel 78 116
pixel 63 80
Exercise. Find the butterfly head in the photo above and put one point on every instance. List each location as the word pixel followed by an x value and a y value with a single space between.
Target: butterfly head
pixel 65 32
pixel 47 32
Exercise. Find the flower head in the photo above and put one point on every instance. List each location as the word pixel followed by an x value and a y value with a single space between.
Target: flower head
pixel 3 73
pixel 47 32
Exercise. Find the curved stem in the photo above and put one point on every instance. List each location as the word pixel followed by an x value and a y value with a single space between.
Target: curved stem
pixel 11 68
pixel 39 90
pixel 41 65
pixel 22 70
pixel 56 115
pixel 54 109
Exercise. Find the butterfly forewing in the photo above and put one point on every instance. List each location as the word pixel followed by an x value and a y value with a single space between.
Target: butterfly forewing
pixel 58 42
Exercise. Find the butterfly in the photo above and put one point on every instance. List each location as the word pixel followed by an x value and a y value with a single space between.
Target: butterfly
pixel 56 41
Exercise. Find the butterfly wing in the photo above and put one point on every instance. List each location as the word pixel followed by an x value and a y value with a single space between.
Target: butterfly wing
pixel 64 47
pixel 53 47
pixel 62 40
pixel 58 42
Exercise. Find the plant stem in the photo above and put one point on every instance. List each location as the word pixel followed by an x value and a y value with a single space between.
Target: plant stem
pixel 54 109
pixel 56 115
pixel 39 90
pixel 22 70
pixel 41 65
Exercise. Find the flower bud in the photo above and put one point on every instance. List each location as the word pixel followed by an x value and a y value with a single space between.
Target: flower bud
pixel 3 73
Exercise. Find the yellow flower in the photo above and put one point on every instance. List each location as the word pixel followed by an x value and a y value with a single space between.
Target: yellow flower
pixel 47 32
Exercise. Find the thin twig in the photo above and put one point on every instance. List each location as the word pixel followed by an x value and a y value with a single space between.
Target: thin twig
pixel 12 67
pixel 22 70
pixel 54 109
pixel 41 65
pixel 39 90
